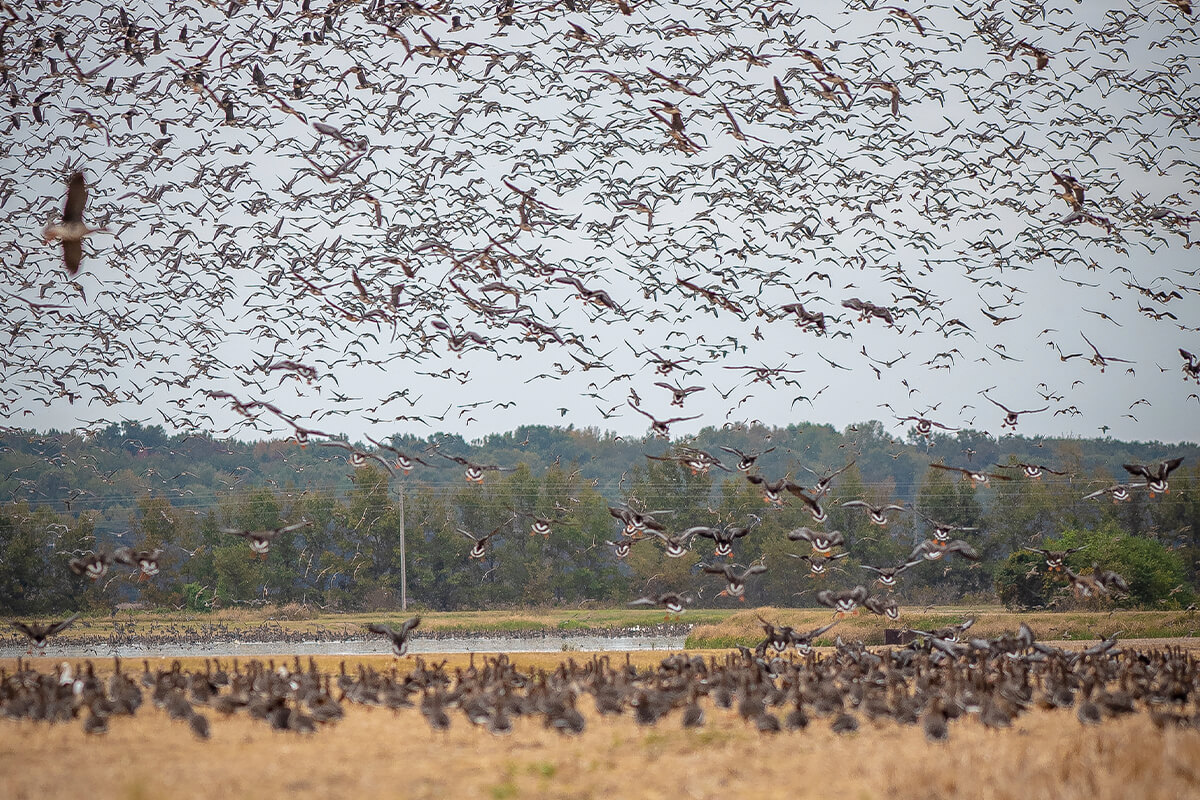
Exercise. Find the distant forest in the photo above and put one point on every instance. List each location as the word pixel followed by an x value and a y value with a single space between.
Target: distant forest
pixel 129 485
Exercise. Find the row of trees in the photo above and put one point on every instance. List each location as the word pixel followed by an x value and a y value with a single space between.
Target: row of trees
pixel 350 554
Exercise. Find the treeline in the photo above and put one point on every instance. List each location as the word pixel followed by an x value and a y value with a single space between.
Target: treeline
pixel 350 554
pixel 109 471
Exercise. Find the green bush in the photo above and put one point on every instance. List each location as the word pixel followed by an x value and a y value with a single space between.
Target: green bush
pixel 1156 576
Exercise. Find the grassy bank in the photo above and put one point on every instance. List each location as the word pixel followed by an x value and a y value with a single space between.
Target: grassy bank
pixel 744 628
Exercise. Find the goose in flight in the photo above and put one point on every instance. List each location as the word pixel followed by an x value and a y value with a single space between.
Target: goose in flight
pixel 398 636
pixel 72 230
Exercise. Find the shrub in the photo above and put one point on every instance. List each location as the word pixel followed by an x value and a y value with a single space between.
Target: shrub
pixel 1156 576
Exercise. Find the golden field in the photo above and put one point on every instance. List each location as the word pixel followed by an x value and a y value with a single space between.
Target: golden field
pixel 377 753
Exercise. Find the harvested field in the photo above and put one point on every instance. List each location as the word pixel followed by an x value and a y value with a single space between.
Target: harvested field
pixel 375 752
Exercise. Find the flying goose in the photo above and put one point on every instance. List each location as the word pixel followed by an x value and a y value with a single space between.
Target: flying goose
pixel 398 636
pixel 260 540
pixel 38 633
pixel 1155 475
pixel 72 230
pixel 878 514
pixel 735 580
pixel 822 542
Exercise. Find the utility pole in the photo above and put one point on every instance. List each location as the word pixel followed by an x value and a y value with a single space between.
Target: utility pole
pixel 403 566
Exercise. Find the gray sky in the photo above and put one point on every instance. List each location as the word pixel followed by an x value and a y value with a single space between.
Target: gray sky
pixel 243 253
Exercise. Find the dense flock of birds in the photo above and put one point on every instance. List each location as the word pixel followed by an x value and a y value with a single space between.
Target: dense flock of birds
pixel 384 213
pixel 270 209
pixel 782 684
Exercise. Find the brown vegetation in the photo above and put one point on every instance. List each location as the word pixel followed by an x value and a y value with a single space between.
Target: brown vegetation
pixel 374 753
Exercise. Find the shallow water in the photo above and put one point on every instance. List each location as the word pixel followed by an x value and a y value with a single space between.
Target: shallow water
pixel 358 647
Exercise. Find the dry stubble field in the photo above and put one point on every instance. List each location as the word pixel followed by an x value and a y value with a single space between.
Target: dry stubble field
pixel 376 753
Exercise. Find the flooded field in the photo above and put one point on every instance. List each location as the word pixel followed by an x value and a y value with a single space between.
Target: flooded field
pixel 548 643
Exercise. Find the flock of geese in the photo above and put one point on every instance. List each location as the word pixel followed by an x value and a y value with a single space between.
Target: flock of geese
pixel 782 684
pixel 394 214
pixel 639 525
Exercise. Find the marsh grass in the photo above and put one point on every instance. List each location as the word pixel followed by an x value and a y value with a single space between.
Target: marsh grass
pixel 743 628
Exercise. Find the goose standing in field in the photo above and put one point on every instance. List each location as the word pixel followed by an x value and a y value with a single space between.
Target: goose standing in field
pixel 398 636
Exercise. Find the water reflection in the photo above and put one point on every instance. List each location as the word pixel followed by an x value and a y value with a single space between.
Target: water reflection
pixel 357 647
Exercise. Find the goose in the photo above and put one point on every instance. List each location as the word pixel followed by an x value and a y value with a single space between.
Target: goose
pixel 803 642
pixel 924 427
pixel 93 565
pixel 480 543
pixel 824 482
pixel 1010 416
pixel 38 633
pixel 638 522
pixel 722 537
pixel 746 461
pixel 1034 471
pixel 931 550
pixel 844 601
pixel 1155 475
pixel 145 561
pixel 1119 492
pixel 771 489
pixel 1054 558
pixel 818 564
pixel 1109 580
pixel 260 540
pixel 673 603
pixel 882 606
pixel 539 525
pixel 976 477
pixel 735 580
pixel 675 546
pixel 72 230
pixel 398 636
pixel 474 472
pixel 403 461
pixel 822 542
pixel 878 514
pixel 886 576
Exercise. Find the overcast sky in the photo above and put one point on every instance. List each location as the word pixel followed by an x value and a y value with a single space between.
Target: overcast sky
pixel 244 251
